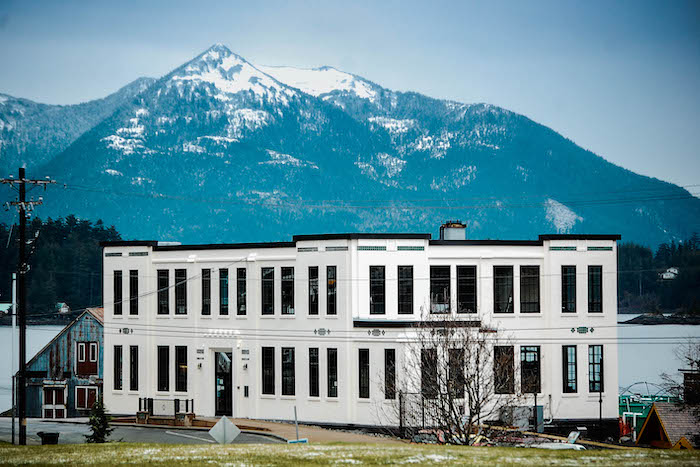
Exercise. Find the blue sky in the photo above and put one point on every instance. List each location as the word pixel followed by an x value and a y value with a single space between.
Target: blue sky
pixel 619 78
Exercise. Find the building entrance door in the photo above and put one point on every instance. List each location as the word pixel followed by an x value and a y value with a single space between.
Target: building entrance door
pixel 223 384
pixel 54 405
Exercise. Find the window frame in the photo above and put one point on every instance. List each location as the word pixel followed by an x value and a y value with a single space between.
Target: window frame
pixel 568 289
pixel 133 368
pixel 440 307
pixel 313 294
pixel 241 292
pixel 504 364
pixel 332 372
pixel 429 378
pixel 287 290
pixel 530 289
pixel 117 284
pixel 118 369
pixel 163 295
pixel 314 372
pixel 389 374
pixel 267 357
pixel 288 362
pixel 267 289
pixel 224 292
pixel 363 373
pixel 592 365
pixel 181 374
pixel 133 292
pixel 467 287
pixel 377 290
pixel 163 368
pixel 503 283
pixel 569 384
pixel 405 289
pixel 331 290
pixel 206 292
pixel 180 292
pixel 595 284
pixel 527 351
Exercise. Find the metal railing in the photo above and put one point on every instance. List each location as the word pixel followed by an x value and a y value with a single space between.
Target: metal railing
pixel 165 407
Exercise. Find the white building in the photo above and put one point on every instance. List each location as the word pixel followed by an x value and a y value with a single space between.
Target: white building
pixel 252 330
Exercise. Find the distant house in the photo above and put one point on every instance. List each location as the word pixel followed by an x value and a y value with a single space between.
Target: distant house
pixel 62 308
pixel 671 426
pixel 65 377
pixel 5 308
pixel 669 274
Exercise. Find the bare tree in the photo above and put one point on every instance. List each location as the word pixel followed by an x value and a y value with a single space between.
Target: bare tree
pixel 687 389
pixel 456 374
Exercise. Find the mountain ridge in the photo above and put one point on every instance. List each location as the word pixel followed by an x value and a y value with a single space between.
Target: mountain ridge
pixel 219 149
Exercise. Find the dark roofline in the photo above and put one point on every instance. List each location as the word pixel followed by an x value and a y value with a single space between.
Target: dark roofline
pixel 362 236
pixel 225 246
pixel 486 242
pixel 129 243
pixel 581 237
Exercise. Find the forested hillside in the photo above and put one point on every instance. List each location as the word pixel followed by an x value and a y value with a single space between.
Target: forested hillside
pixel 65 264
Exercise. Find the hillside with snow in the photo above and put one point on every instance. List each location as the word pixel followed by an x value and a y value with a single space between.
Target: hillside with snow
pixel 221 149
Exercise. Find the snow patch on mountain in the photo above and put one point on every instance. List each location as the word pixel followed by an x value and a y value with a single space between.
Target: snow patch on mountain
pixel 560 216
pixel 278 158
pixel 394 126
pixel 392 165
pixel 128 139
pixel 246 119
pixel 320 81
pixel 230 74
pixel 457 178
pixel 524 173
pixel 114 173
pixel 437 146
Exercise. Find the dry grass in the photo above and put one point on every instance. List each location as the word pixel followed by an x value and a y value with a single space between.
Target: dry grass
pixel 327 454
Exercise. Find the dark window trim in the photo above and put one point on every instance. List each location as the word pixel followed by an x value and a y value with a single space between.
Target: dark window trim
pixel 181 291
pixel 331 290
pixel 332 363
pixel 595 300
pixel 313 290
pixel 118 292
pixel 314 372
pixel 467 287
pixel 528 280
pixel 133 368
pixel 363 373
pixel 570 386
pixel 504 305
pixel 504 362
pixel 526 352
pixel 224 292
pixel 440 291
pixel 268 370
pixel 241 292
pixel 163 368
pixel 180 372
pixel 163 291
pixel 390 374
pixel 268 288
pixel 118 367
pixel 206 292
pixel 568 289
pixel 288 371
pixel 593 382
pixel 377 290
pixel 405 290
pixel 133 292
pixel 287 289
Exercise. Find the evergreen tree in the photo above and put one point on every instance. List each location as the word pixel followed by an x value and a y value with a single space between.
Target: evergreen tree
pixel 99 423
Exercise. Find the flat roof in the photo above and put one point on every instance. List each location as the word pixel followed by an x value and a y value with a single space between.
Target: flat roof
pixel 358 236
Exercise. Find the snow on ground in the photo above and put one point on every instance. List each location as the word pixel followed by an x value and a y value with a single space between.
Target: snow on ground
pixel 114 173
pixel 437 146
pixel 230 74
pixel 277 158
pixel 393 125
pixel 561 217
pixel 457 178
pixel 392 165
pixel 318 81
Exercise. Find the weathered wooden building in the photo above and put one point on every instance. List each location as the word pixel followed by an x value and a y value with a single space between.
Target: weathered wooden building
pixel 65 377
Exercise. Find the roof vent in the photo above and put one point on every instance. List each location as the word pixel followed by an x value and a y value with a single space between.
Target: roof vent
pixel 453 230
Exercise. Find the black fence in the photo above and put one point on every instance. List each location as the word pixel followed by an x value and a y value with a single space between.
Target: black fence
pixel 165 407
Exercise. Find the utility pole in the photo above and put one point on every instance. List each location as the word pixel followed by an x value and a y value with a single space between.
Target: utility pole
pixel 23 206
pixel 12 362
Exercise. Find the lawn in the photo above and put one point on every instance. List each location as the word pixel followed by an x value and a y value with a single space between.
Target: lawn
pixel 328 454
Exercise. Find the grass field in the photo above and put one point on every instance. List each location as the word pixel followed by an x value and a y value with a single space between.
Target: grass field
pixel 339 454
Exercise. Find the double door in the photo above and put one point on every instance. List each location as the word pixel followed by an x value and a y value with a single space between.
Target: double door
pixel 54 405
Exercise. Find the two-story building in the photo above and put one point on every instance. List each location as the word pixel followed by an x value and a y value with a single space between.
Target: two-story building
pixel 65 377
pixel 254 329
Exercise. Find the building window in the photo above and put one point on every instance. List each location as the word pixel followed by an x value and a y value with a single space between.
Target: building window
pixel 86 364
pixel 568 289
pixel 313 290
pixel 595 289
pixel 503 369
pixel 331 289
pixel 268 370
pixel 133 368
pixel 288 291
pixel 332 372
pixel 118 367
pixel 288 384
pixel 117 292
pixel 180 291
pixel 206 292
pixel 405 290
pixel 595 368
pixel 568 355
pixel 503 289
pixel 163 292
pixel 85 397
pixel 181 368
pixel 313 372
pixel 466 289
pixel 439 289
pixel 456 381
pixel 93 352
pixel 268 291
pixel 163 368
pixel 223 292
pixel 377 288
pixel 364 373
pixel 529 289
pixel 389 373
pixel 81 352
pixel 133 292
pixel 530 369
pixel 241 291
pixel 428 373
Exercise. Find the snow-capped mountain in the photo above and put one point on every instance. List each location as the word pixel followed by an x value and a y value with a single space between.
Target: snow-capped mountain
pixel 220 149
pixel 33 133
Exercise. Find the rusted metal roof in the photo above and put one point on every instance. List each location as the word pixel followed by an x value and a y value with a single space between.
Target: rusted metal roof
pixel 678 422
pixel 98 313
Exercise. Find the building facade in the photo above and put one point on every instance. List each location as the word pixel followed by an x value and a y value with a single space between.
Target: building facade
pixel 321 322
pixel 65 377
